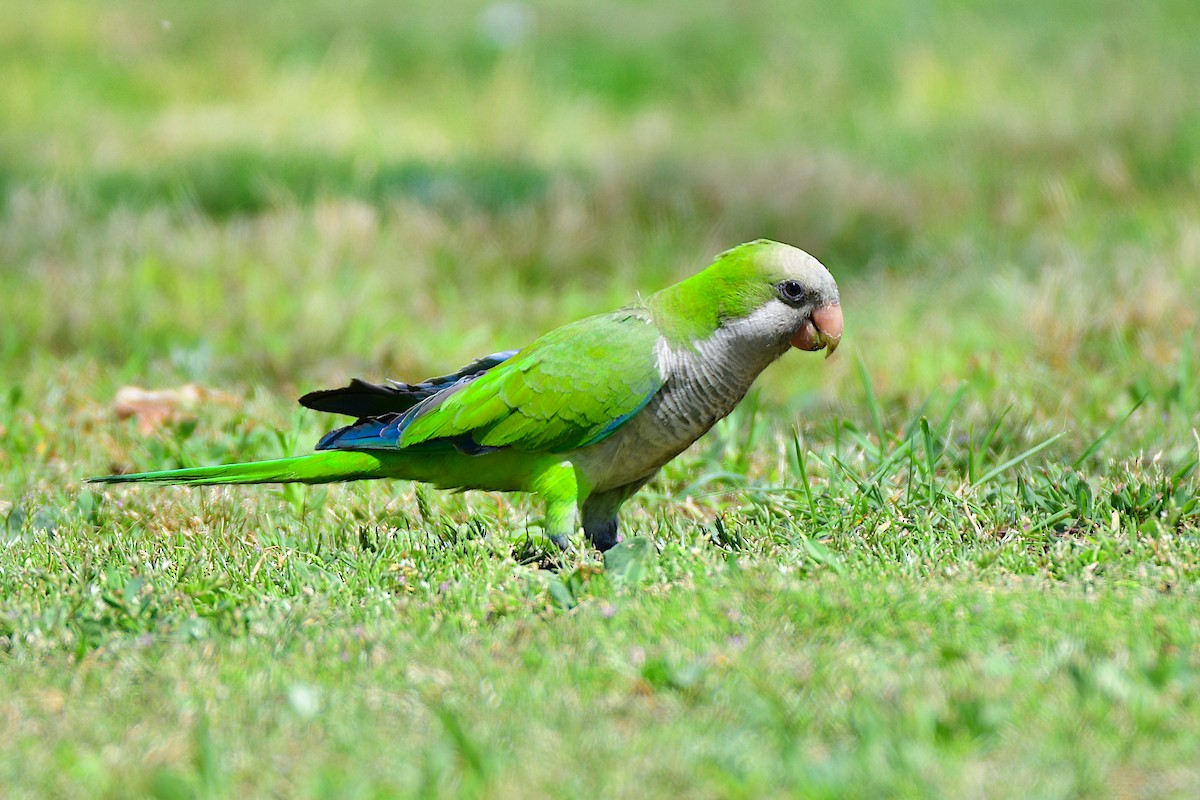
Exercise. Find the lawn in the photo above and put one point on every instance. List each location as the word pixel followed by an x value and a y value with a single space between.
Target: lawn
pixel 958 559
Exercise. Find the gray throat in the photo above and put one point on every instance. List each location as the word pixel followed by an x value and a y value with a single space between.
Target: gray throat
pixel 704 383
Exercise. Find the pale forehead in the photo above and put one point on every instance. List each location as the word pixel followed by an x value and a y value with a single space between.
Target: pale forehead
pixel 785 259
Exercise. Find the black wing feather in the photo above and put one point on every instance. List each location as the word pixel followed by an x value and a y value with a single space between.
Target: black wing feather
pixel 363 400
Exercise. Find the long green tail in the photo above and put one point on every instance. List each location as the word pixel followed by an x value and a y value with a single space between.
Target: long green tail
pixel 326 467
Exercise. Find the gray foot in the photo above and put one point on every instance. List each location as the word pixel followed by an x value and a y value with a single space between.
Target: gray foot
pixel 599 514
pixel 604 534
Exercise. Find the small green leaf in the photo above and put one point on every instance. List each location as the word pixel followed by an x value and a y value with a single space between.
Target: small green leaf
pixel 560 594
pixel 627 562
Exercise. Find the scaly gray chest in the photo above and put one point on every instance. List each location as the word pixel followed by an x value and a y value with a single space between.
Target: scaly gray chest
pixel 703 385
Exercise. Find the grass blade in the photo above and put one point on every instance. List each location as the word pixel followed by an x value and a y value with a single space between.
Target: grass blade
pixel 1096 445
pixel 802 465
pixel 872 402
pixel 930 457
pixel 1015 460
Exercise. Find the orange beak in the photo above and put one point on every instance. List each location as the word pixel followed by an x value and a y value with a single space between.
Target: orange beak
pixel 823 330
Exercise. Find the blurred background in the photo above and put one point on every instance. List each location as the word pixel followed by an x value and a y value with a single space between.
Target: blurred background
pixel 286 194
pixel 972 574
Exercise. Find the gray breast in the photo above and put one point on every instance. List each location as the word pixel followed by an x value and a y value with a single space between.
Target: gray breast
pixel 703 384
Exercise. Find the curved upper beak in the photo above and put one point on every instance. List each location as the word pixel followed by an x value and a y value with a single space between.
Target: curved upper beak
pixel 828 322
pixel 823 330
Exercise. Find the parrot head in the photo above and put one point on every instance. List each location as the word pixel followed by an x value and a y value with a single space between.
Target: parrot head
pixel 772 295
pixel 805 294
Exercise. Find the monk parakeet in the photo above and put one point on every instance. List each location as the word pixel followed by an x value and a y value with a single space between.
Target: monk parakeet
pixel 583 416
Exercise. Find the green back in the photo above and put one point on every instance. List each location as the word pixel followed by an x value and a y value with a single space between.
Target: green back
pixel 569 389
pixel 735 284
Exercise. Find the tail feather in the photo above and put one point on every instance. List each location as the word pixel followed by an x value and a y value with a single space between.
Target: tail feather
pixel 325 467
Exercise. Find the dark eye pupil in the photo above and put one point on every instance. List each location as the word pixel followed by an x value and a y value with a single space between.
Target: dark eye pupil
pixel 792 290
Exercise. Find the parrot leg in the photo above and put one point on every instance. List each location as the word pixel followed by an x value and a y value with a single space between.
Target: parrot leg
pixel 563 492
pixel 599 513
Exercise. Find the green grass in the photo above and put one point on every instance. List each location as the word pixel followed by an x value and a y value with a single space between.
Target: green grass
pixel 958 559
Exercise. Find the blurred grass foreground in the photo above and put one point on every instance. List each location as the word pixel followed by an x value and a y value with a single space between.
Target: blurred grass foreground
pixel 958 559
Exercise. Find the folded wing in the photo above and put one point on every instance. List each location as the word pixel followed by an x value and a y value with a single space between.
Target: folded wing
pixel 571 388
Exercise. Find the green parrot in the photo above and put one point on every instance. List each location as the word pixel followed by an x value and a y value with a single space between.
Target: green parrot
pixel 583 416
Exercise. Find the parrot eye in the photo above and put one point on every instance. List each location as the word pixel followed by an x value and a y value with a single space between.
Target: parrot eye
pixel 792 292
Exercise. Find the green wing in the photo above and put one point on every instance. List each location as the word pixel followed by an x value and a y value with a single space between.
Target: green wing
pixel 570 388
